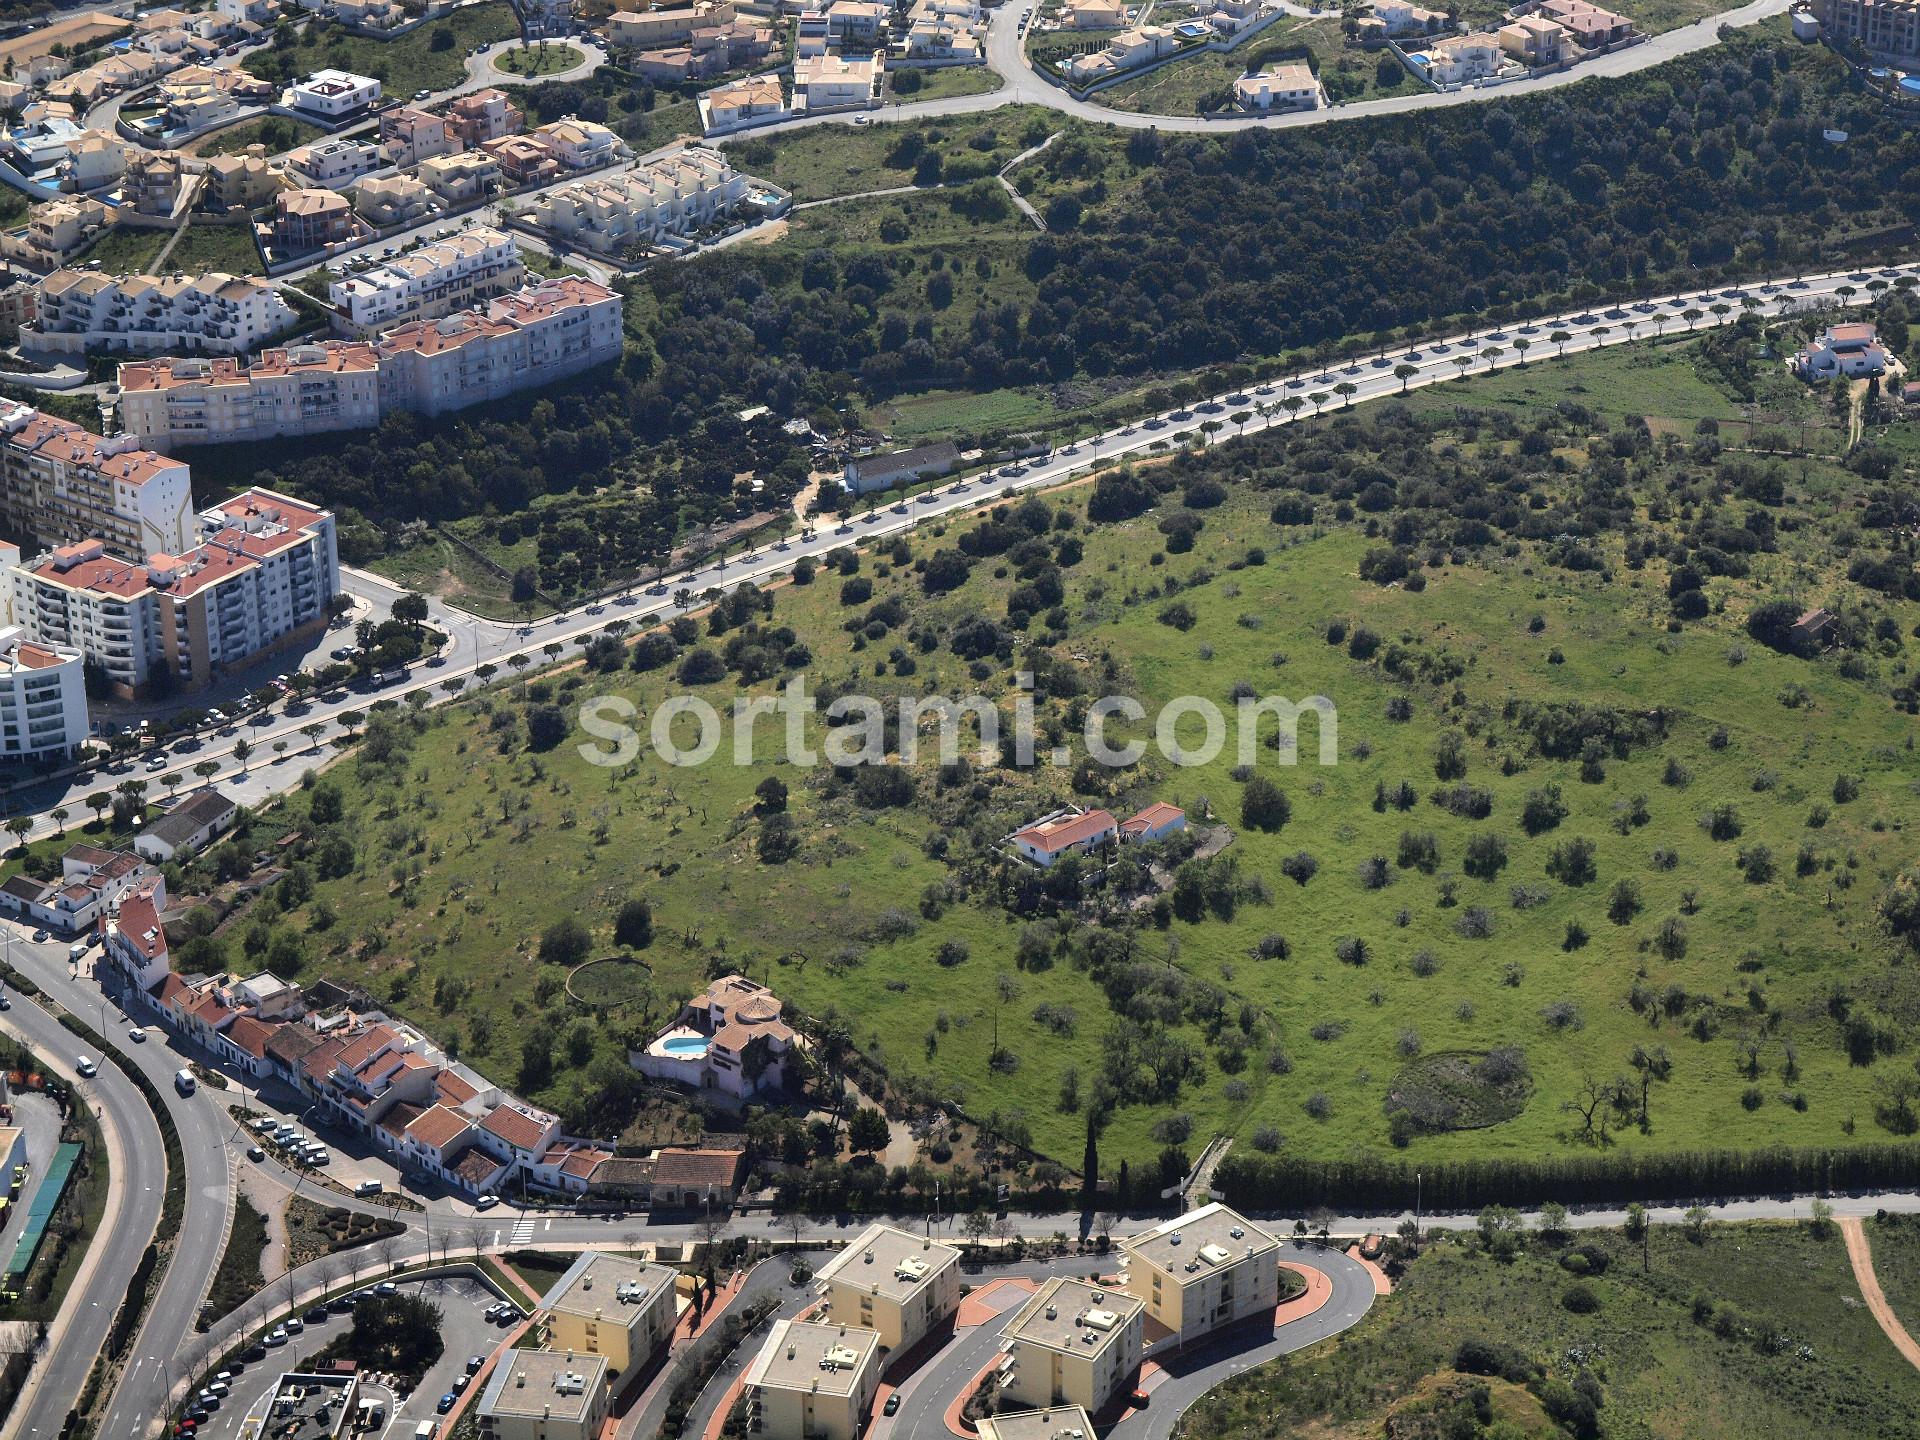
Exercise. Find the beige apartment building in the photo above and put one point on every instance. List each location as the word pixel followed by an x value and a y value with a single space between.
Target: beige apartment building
pixel 652 29
pixel 812 1382
pixel 544 1395
pixel 1057 1422
pixel 299 390
pixel 614 1308
pixel 60 482
pixel 1888 30
pixel 674 195
pixel 898 1285
pixel 1203 1270
pixel 1072 1344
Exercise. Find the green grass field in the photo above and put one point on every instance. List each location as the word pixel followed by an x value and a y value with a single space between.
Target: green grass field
pixel 123 250
pixel 815 165
pixel 1755 1333
pixel 942 84
pixel 476 854
pixel 538 60
pixel 1895 1240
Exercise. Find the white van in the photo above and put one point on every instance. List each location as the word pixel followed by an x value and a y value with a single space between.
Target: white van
pixel 76 952
pixel 184 1082
pixel 425 1430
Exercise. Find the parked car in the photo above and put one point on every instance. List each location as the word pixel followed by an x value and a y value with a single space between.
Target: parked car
pixel 447 1402
pixel 254 1152
pixel 137 1035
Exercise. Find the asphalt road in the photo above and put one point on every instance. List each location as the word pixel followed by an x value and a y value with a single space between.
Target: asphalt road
pixel 205 1136
pixel 138 1185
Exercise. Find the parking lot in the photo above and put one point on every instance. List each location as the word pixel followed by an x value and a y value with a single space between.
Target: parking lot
pixel 39 1121
pixel 463 1304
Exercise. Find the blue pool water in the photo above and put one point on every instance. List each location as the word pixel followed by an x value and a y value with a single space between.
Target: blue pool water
pixel 1910 84
pixel 689 1047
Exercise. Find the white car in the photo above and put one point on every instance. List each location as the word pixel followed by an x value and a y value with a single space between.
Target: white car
pixel 87 1067
pixel 137 1035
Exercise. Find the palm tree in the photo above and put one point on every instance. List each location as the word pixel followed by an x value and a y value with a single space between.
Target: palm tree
pixel 1404 373
pixel 1560 338
pixel 59 815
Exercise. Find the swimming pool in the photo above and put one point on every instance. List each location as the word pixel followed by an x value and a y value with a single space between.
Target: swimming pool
pixel 685 1047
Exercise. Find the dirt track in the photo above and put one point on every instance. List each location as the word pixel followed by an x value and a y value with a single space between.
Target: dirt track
pixel 1861 1256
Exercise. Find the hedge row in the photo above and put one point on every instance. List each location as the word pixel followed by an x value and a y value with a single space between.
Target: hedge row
pixel 1373 1184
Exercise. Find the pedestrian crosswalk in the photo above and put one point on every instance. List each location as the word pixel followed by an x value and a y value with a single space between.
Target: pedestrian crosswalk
pixel 522 1231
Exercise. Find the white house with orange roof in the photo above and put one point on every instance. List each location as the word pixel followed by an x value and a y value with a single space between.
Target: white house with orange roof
pixel 1851 350
pixel 1071 831
pixel 92 883
pixel 730 1038
pixel 134 938
pixel 1156 822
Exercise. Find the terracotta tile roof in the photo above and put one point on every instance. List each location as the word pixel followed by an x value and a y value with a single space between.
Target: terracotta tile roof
pixel 1155 815
pixel 697 1167
pixel 363 1047
pixel 1055 836
pixel 451 1089
pixel 584 1161
pixel 167 989
pixel 250 1036
pixel 476 1167
pixel 438 1127
pixel 291 1043
pixel 318 1063
pixel 517 1128
pixel 139 925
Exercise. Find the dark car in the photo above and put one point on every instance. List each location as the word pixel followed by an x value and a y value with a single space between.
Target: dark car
pixel 318 1315
pixel 446 1402
pixel 254 1352
pixel 892 1405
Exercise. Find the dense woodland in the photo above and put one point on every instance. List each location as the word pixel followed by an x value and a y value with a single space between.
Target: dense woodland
pixel 1704 168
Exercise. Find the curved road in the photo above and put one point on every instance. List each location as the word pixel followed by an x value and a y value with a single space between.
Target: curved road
pixel 138 1177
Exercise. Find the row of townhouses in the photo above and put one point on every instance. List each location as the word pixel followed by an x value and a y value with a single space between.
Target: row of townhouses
pixel 451 274
pixel 534 336
pixel 219 314
pixel 674 196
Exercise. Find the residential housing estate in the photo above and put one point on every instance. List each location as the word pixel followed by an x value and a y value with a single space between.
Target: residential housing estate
pixel 729 1038
pixel 812 1381
pixel 540 334
pixel 43 700
pixel 663 200
pixel 618 1309
pixel 81 311
pixel 1888 30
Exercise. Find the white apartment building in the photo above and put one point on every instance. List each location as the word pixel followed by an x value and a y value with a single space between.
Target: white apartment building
pixel 538 335
pixel 262 577
pixel 333 164
pixel 300 390
pixel 43 699
pixel 542 333
pixel 812 1382
pixel 80 311
pixel 333 93
pixel 448 274
pixel 1203 1270
pixel 1073 1343
pixel 677 195
pixel 898 1285
pixel 59 482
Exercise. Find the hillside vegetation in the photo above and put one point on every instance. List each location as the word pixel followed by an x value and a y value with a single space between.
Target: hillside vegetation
pixel 1605 866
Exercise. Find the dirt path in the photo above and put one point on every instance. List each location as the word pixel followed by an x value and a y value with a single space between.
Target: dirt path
pixel 1861 1256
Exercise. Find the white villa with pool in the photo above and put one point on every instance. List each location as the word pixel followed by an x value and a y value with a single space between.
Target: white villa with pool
pixel 729 1038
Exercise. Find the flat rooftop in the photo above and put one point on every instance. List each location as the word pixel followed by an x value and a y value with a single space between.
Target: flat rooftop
pixel 890 1263
pixel 309 1407
pixel 1069 1314
pixel 803 1355
pixel 607 1286
pixel 1057 1422
pixel 1203 1240
pixel 545 1384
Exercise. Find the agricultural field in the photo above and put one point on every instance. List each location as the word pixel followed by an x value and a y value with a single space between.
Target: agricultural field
pixel 1596 867
pixel 1749 1330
